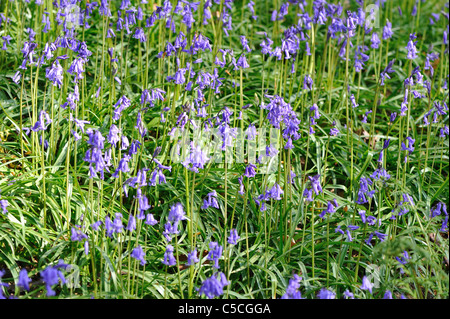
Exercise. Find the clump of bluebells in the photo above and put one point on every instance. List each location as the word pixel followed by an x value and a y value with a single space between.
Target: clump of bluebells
pixel 171 149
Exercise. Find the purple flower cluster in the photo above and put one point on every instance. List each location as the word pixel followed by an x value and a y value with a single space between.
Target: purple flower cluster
pixel 213 286
pixel 292 291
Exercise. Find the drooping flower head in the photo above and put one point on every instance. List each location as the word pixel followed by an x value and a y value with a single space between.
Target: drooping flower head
pixel 139 254
pixel 192 258
pixel 366 284
pixel 215 252
pixel 52 275
pixel 169 258
pixel 213 286
pixel 234 237
pixel 315 183
pixel 210 200
pixel 24 280
pixel 292 291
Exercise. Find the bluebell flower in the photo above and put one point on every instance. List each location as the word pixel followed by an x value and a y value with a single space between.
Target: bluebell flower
pixel 331 208
pixel 363 191
pixel 444 226
pixel 307 194
pixel 234 237
pixel 223 63
pixel 349 235
pixel 52 275
pixel 366 284
pixel 437 209
pixel 315 183
pixel 28 51
pixel 110 33
pixel 316 115
pixel 307 82
pixel 226 21
pixel 386 143
pixel 131 223
pixel 380 174
pixel 353 100
pixel 375 41
pixel 45 22
pixel 211 200
pixel 109 229
pixel 251 132
pixel 196 158
pixel 143 203
pixel 157 176
pixel 215 252
pixel 411 47
pixel 387 295
pixel 283 10
pixel 30 31
pixel 213 286
pixel 404 259
pixel 139 254
pixel 326 294
pixel 289 144
pixel 275 192
pixel 122 104
pixel 206 12
pixel 409 148
pixel 150 220
pixel 77 235
pixel 96 225
pixel 334 131
pixel 266 45
pixel 364 120
pixel 113 135
pixel 169 259
pixel 407 199
pixel 3 204
pixel 339 230
pixel 242 62
pixel 55 73
pixel 188 17
pixel 444 131
pixel 404 105
pixel 77 68
pixel 17 76
pixel 176 213
pixel 241 185
pixel 348 295
pixel 292 290
pixel 379 235
pixel 169 230
pixel 123 165
pixel 2 284
pixel 124 4
pixel 42 123
pixel 387 31
pixel 24 280
pixel 392 117
pixel 140 35
pixel 385 73
pixel 192 258
pixel 244 43
pixel 252 10
pixel 200 43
